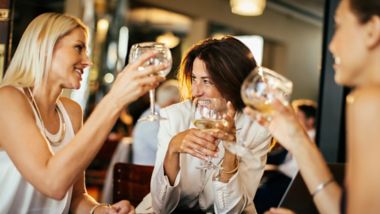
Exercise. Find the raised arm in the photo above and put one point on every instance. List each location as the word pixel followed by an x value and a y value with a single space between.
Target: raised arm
pixel 287 130
pixel 53 174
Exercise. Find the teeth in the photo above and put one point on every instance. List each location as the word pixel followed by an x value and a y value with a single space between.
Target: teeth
pixel 79 71
pixel 337 60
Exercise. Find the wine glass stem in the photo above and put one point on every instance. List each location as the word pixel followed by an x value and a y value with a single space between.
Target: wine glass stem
pixel 152 101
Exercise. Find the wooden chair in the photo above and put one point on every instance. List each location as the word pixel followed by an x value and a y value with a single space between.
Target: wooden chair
pixel 131 182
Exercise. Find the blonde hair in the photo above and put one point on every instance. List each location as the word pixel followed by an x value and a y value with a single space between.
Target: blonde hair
pixel 34 53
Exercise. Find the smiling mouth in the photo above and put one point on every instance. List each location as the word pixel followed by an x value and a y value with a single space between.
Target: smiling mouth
pixel 79 71
pixel 337 60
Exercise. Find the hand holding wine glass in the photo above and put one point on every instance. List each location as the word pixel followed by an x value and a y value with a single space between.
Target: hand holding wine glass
pixel 162 56
pixel 259 92
pixel 131 83
pixel 209 116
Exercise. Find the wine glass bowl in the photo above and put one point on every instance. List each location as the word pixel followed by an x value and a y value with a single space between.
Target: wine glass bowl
pixel 262 87
pixel 162 56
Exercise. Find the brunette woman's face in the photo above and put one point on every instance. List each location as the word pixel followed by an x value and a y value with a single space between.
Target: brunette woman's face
pixel 70 59
pixel 201 83
pixel 348 47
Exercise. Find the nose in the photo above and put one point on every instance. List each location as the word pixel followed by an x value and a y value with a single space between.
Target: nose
pixel 196 89
pixel 332 44
pixel 86 61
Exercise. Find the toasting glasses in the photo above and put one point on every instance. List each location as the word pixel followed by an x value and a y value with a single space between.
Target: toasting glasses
pixel 207 115
pixel 258 91
pixel 163 56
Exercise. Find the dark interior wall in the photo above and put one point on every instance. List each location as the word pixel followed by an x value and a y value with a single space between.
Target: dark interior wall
pixel 26 10
pixel 331 115
pixel 5 32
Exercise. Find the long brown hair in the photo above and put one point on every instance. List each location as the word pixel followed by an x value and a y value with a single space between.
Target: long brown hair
pixel 228 62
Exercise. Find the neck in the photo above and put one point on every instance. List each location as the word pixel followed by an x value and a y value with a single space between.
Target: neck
pixel 372 67
pixel 46 98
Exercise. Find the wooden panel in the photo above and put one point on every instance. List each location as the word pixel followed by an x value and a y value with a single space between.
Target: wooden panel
pixel 131 182
pixel 5 18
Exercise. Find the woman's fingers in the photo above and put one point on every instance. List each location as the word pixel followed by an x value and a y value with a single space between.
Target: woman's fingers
pixel 123 207
pixel 141 60
pixel 199 144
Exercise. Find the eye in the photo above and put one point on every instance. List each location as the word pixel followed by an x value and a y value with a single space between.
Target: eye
pixel 192 78
pixel 79 48
pixel 208 82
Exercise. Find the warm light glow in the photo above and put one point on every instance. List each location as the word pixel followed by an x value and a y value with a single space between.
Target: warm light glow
pixel 248 7
pixel 255 44
pixel 103 25
pixel 123 42
pixel 169 39
pixel 109 78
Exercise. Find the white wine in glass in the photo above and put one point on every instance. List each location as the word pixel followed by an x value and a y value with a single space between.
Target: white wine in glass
pixel 259 90
pixel 208 115
pixel 163 56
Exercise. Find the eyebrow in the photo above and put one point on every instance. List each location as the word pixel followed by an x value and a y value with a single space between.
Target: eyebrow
pixel 204 77
pixel 82 43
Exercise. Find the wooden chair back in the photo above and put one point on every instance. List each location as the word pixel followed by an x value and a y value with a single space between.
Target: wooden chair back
pixel 131 182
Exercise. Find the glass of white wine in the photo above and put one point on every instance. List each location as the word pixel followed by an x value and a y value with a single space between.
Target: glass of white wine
pixel 259 90
pixel 208 114
pixel 163 56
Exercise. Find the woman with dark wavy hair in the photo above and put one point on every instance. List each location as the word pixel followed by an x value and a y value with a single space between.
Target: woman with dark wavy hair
pixel 214 68
pixel 356 50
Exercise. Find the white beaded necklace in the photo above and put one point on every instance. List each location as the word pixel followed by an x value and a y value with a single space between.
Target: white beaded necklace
pixel 62 126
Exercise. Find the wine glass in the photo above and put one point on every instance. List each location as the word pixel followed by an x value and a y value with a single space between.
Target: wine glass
pixel 259 90
pixel 208 114
pixel 163 56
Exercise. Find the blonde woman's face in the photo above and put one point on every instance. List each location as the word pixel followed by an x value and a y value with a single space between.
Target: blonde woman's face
pixel 201 84
pixel 70 59
pixel 348 47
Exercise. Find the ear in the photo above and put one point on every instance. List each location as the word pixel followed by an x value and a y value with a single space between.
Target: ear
pixel 310 122
pixel 373 32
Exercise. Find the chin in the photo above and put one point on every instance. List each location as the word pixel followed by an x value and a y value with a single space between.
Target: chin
pixel 343 81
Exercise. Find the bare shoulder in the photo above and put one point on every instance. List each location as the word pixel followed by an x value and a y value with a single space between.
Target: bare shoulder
pixel 74 110
pixel 363 111
pixel 15 111
pixel 12 99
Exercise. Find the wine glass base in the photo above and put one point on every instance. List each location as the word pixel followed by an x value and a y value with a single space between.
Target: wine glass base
pixel 151 118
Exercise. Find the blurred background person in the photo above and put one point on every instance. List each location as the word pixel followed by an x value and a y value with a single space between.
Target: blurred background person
pixel 144 134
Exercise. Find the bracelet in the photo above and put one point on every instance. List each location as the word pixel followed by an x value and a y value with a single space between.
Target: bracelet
pixel 321 186
pixel 233 170
pixel 92 211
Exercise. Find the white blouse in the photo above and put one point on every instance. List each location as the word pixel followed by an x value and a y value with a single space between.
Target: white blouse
pixel 195 188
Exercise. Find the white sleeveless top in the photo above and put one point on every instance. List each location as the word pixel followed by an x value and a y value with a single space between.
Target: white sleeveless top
pixel 17 195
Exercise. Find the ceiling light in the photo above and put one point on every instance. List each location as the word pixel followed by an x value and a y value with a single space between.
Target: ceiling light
pixel 248 7
pixel 169 39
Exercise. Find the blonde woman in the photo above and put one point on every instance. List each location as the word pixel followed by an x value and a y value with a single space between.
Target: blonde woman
pixel 44 147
